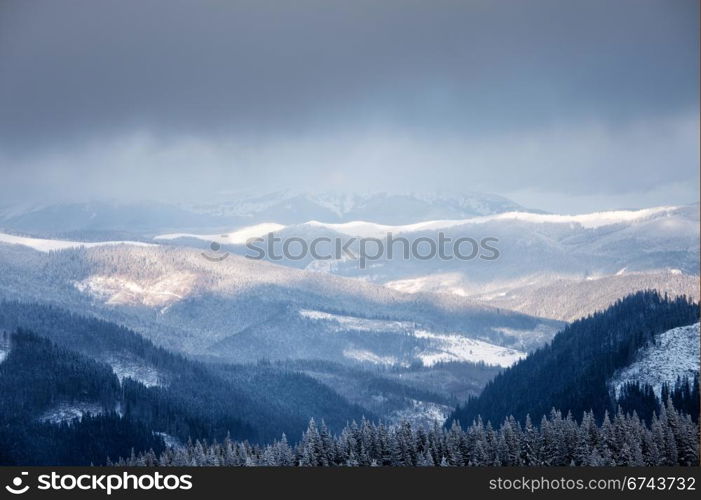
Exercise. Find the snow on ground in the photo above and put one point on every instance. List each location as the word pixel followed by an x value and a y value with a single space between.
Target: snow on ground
pixel 364 229
pixel 161 291
pixel 238 237
pixel 135 370
pixel 65 412
pixel 358 324
pixel 439 347
pixel 589 221
pixel 447 348
pixel 421 414
pixel 369 357
pixel 45 245
pixel 674 354
pixel 527 339
pixel 452 283
pixel 4 346
pixel 170 441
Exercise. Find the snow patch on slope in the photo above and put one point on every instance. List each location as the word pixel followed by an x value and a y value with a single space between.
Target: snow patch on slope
pixel 65 412
pixel 446 348
pixel 369 357
pixel 421 414
pixel 135 370
pixel 238 237
pixel 170 440
pixel 358 324
pixel 5 346
pixel 45 245
pixel 367 229
pixel 438 347
pixel 452 283
pixel 594 220
pixel 674 354
pixel 160 291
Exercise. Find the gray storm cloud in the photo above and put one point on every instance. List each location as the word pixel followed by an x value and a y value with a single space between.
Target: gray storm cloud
pixel 571 105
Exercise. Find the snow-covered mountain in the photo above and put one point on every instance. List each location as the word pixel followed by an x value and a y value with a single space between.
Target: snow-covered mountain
pixel 244 310
pixel 645 339
pixel 535 250
pixel 409 319
pixel 673 356
pixel 555 266
pixel 570 298
pixel 48 245
pixel 90 220
pixel 293 207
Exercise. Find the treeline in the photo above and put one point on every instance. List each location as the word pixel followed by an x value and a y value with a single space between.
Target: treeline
pixel 642 398
pixel 573 371
pixel 37 376
pixel 671 438
pixel 79 442
pixel 195 399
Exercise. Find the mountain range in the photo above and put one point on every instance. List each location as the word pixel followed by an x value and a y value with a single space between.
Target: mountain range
pixel 97 218
pixel 151 292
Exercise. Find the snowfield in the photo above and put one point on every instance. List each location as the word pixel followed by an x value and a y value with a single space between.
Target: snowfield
pixel 367 356
pixel 458 348
pixel 152 292
pixel 367 229
pixel 360 324
pixel 674 354
pixel 436 347
pixel 238 237
pixel 364 229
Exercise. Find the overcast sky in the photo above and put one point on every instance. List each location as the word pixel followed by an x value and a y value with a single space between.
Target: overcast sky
pixel 567 106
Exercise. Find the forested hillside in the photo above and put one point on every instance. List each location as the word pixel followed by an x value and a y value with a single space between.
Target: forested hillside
pixel 572 373
pixel 36 376
pixel 93 366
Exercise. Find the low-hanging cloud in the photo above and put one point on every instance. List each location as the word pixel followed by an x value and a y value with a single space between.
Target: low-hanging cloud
pixel 565 105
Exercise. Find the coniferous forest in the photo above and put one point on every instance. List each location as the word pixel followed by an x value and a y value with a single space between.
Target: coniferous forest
pixel 340 233
pixel 671 438
pixel 572 372
pixel 198 413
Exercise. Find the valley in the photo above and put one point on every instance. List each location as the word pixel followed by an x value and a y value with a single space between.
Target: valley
pixel 285 340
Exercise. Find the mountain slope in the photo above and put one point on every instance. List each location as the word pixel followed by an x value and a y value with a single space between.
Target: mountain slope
pixel 190 399
pixel 672 357
pixel 38 376
pixel 179 299
pixel 294 207
pixel 574 298
pixel 572 373
pixel 661 239
pixel 91 219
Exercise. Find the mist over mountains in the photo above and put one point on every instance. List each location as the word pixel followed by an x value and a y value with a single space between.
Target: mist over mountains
pixel 284 207
pixel 315 232
pixel 397 340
